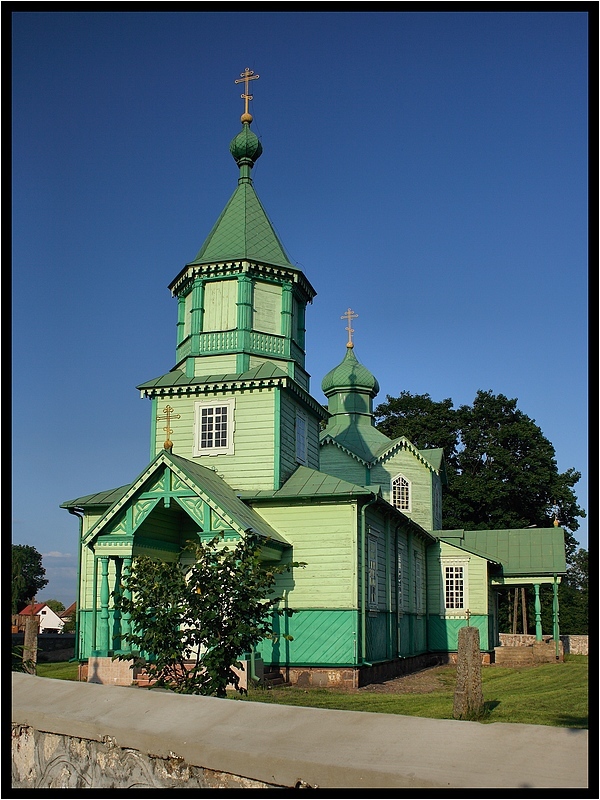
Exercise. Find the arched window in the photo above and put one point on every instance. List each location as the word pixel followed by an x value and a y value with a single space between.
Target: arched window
pixel 401 493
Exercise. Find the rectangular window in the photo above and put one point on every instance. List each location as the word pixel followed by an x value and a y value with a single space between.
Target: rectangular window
pixel 213 428
pixel 300 438
pixel 454 587
pixel 372 556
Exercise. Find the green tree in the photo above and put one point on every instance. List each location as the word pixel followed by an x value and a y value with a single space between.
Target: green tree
pixel 27 575
pixel 190 624
pixel 56 606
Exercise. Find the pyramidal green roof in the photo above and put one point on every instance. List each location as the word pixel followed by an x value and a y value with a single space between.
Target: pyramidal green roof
pixel 243 231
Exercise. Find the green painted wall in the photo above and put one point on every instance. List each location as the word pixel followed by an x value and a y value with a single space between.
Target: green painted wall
pixel 324 537
pixel 443 633
pixel 336 462
pixel 221 364
pixel 321 637
pixel 251 466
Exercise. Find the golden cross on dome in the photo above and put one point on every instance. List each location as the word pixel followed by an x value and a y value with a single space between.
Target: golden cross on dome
pixel 168 415
pixel 349 315
pixel 245 77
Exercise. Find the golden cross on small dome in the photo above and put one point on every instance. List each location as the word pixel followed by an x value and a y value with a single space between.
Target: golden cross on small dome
pixel 245 77
pixel 168 415
pixel 349 315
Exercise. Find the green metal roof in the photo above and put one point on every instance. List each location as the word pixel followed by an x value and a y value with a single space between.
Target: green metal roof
pixel 524 551
pixel 307 482
pixel 226 498
pixel 205 479
pixel 177 377
pixel 356 436
pixel 243 231
pixel 106 498
pixel 350 375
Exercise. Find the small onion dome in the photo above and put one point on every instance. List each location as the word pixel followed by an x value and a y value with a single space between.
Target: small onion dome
pixel 350 375
pixel 245 145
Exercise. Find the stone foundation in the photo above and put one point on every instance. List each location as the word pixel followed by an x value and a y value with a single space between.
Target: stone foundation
pixel 106 670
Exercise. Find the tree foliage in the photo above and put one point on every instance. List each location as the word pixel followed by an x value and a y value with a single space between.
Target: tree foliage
pixel 502 471
pixel 56 605
pixel 192 623
pixel 27 575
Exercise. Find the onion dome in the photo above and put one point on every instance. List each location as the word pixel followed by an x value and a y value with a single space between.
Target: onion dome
pixel 245 147
pixel 350 376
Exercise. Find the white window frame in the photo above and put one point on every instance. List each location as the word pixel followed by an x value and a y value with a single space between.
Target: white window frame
pixel 454 563
pixel 408 506
pixel 301 428
pixel 204 405
pixel 372 586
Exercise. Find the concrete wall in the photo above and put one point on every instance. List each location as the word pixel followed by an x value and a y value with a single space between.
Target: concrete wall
pixel 69 735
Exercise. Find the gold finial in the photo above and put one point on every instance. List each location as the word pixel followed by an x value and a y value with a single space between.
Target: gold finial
pixel 349 315
pixel 246 76
pixel 168 415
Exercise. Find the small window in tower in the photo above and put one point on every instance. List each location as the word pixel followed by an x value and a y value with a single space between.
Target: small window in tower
pixel 301 445
pixel 401 493
pixel 213 428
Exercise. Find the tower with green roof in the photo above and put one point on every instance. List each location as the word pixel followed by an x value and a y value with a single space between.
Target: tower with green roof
pixel 240 358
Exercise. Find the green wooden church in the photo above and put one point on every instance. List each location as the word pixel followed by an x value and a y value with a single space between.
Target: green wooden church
pixel 239 444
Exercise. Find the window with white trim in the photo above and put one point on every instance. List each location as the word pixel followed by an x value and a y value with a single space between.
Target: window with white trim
pixel 372 564
pixel 301 444
pixel 454 586
pixel 401 493
pixel 213 427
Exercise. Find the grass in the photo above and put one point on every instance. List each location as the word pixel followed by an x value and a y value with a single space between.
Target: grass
pixel 550 694
pixel 63 670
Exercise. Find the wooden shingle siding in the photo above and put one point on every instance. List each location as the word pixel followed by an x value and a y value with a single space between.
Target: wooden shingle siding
pixel 252 464
pixel 324 537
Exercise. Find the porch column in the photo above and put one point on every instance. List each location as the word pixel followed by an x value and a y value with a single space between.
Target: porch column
pixel 538 613
pixel 104 596
pixel 126 619
pixel 116 628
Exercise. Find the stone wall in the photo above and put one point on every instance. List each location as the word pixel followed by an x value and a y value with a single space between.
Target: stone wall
pixel 577 645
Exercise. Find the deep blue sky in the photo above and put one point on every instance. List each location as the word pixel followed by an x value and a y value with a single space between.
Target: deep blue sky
pixel 427 169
